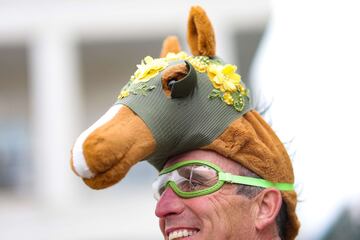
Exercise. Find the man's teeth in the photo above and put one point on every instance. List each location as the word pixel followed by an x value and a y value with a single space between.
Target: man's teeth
pixel 181 233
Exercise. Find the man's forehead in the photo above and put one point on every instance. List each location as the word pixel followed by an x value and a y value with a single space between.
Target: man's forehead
pixel 206 155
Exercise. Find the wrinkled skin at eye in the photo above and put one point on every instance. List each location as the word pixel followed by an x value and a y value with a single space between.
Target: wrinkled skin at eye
pixel 222 215
pixel 196 178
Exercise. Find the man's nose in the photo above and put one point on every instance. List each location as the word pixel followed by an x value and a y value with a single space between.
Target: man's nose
pixel 169 204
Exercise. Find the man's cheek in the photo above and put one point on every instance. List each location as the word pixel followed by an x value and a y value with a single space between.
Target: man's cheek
pixel 241 218
pixel 233 212
pixel 221 215
pixel 203 209
pixel 162 226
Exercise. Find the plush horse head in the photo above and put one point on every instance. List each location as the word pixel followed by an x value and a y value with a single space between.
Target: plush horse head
pixel 178 103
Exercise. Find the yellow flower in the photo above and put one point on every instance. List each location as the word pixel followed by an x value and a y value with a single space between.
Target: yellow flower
pixel 148 69
pixel 212 73
pixel 241 88
pixel 176 56
pixel 123 94
pixel 198 65
pixel 224 77
pixel 228 98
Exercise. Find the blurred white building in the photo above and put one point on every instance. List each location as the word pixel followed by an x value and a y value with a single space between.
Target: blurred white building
pixel 62 64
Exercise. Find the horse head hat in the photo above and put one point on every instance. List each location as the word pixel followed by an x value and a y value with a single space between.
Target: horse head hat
pixel 178 103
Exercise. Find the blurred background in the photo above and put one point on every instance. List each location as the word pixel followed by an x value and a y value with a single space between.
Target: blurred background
pixel 63 63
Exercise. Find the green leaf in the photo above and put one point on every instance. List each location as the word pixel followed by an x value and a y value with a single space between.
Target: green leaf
pixel 140 89
pixel 151 87
pixel 215 93
pixel 239 102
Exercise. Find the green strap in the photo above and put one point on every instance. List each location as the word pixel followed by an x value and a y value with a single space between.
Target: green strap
pixel 227 177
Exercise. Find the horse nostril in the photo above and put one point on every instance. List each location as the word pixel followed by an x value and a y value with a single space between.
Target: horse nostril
pixel 171 83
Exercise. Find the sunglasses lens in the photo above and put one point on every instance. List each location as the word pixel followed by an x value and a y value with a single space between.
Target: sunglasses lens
pixel 189 178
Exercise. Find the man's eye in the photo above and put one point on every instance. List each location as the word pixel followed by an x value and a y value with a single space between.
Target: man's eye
pixel 196 185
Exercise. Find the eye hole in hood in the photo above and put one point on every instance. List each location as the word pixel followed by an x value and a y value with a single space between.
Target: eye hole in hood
pixel 178 80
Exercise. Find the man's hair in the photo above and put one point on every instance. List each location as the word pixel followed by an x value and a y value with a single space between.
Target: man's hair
pixel 251 192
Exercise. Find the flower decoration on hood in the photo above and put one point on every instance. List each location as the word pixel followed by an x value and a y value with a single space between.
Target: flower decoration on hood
pixel 176 56
pixel 226 82
pixel 224 77
pixel 148 69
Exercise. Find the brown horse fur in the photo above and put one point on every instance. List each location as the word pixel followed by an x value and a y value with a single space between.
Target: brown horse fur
pixel 170 44
pixel 134 141
pixel 200 35
pixel 113 148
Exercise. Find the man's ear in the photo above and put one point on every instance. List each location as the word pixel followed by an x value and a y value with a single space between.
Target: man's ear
pixel 269 203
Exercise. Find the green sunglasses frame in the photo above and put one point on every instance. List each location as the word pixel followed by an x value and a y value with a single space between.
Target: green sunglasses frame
pixel 224 177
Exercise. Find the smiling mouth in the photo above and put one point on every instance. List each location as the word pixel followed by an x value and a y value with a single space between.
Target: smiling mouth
pixel 179 233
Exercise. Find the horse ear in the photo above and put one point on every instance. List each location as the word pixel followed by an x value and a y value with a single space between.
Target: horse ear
pixel 170 44
pixel 200 35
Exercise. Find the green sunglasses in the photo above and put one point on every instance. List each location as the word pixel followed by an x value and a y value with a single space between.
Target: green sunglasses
pixel 194 178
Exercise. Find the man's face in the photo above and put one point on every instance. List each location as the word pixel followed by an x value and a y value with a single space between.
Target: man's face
pixel 220 215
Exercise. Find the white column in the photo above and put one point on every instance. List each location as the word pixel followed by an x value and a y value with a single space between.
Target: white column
pixel 55 101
